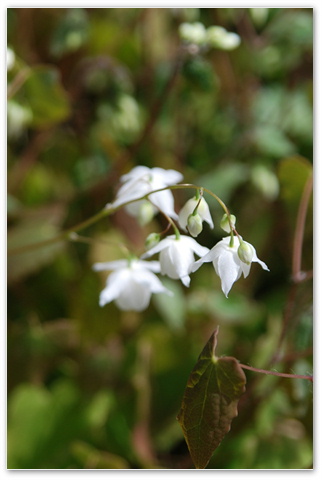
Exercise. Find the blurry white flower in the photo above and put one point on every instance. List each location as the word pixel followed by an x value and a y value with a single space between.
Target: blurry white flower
pixel 176 256
pixel 228 265
pixel 11 58
pixel 130 284
pixel 218 37
pixel 188 208
pixel 139 182
pixel 193 33
pixel 18 118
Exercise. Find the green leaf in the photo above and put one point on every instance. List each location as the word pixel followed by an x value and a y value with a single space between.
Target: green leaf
pixel 293 173
pixel 210 402
pixel 36 226
pixel 44 95
pixel 71 32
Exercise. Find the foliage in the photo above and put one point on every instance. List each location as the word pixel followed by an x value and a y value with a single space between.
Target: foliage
pixel 93 93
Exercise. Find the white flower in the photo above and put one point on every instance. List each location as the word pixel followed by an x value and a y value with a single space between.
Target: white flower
pixel 11 58
pixel 130 284
pixel 218 37
pixel 139 182
pixel 188 208
pixel 176 256
pixel 193 32
pixel 228 266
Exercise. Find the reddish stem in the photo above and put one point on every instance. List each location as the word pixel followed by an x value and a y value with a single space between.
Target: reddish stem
pixel 297 274
pixel 277 374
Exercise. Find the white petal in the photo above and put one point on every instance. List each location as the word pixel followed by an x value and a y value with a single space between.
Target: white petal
pixel 137 172
pixel 164 201
pixel 257 260
pixel 133 296
pixel 159 247
pixel 245 268
pixel 117 264
pixel 206 258
pixel 262 264
pixel 150 281
pixel 185 280
pixel 114 286
pixel 204 212
pixel 152 265
pixel 186 210
pixel 169 177
pixel 181 257
pixel 194 245
pixel 167 265
pixel 228 271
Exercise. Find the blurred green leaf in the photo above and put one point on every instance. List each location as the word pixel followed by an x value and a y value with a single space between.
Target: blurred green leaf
pixel 238 309
pixel 92 458
pixel 270 140
pixel 40 424
pixel 200 74
pixel 293 172
pixel 43 94
pixel 210 402
pixel 71 32
pixel 294 27
pixel 172 309
pixel 38 226
pixel 224 179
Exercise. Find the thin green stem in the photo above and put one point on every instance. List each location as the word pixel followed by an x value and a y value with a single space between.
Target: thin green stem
pixel 62 236
pixel 277 374
pixel 74 237
pixel 108 211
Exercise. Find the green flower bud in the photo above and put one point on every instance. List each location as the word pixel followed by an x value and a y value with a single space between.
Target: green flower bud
pixel 194 224
pixel 152 240
pixel 224 223
pixel 245 252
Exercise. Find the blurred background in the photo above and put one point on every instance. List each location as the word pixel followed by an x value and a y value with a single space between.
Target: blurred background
pixel 91 94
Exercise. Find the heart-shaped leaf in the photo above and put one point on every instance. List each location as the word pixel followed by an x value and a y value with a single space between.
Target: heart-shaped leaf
pixel 210 402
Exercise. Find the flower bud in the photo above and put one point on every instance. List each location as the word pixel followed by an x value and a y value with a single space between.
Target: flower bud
pixel 194 224
pixel 146 213
pixel 245 252
pixel 152 240
pixel 224 223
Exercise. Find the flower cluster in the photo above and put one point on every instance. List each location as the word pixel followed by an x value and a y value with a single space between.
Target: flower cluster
pixel 145 192
pixel 214 36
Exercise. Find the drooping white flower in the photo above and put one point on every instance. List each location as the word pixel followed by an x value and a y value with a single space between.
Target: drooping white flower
pixel 139 182
pixel 177 256
pixel 189 207
pixel 131 283
pixel 227 263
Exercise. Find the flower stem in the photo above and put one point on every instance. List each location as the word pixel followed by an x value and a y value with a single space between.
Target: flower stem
pixel 277 374
pixel 108 210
